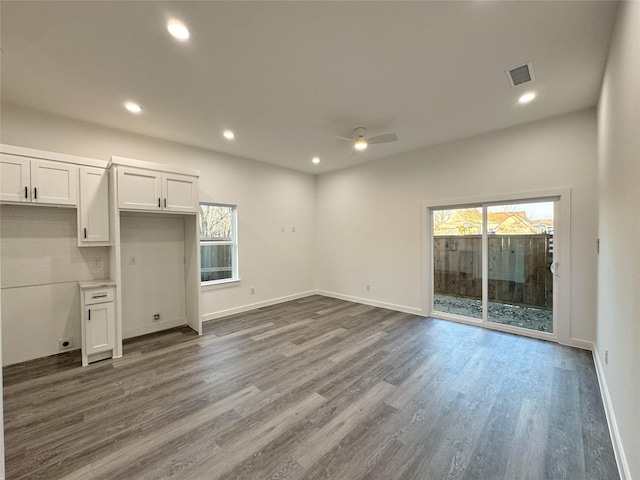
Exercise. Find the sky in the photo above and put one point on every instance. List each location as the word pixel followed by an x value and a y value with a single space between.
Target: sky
pixel 535 211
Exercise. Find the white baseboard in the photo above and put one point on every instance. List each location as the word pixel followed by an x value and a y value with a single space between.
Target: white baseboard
pixel 373 303
pixel 252 306
pixel 153 327
pixel 618 450
pixel 578 343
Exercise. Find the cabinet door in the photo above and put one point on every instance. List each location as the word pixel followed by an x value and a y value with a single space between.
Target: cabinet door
pixel 15 181
pixel 54 183
pixel 93 206
pixel 181 193
pixel 100 327
pixel 138 189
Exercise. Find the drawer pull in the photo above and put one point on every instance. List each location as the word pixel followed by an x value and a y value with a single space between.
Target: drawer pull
pixel 89 314
pixel 102 295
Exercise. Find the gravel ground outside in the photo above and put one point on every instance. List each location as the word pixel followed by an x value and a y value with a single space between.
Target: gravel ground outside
pixel 521 316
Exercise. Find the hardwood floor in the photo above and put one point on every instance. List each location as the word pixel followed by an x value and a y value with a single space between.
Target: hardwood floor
pixel 309 389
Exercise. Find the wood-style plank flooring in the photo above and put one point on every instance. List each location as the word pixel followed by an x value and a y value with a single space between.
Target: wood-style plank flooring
pixel 309 389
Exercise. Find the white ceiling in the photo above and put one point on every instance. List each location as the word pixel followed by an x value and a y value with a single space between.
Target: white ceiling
pixel 289 76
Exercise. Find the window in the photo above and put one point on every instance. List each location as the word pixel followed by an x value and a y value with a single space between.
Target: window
pixel 218 243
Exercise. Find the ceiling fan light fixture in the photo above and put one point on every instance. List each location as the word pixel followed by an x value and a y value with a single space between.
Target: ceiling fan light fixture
pixel 361 144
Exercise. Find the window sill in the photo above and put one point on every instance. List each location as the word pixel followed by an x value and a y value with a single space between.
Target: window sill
pixel 216 285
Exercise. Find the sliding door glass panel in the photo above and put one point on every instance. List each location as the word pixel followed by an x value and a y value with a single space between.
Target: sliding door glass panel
pixel 457 261
pixel 520 283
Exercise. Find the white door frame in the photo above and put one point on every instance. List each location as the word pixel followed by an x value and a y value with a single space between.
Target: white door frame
pixel 562 255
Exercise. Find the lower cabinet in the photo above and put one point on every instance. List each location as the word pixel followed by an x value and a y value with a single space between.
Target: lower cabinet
pixel 98 322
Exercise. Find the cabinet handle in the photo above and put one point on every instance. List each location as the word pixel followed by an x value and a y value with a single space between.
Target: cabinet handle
pixel 158 202
pixel 35 193
pixel 26 192
pixel 165 203
pixel 85 232
pixel 89 314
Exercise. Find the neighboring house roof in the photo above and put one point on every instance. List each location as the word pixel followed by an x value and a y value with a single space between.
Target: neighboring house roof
pixel 469 222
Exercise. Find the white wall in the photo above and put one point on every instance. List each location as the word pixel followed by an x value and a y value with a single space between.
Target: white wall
pixel 369 217
pixel 278 265
pixel 155 281
pixel 619 232
pixel 1 397
pixel 41 264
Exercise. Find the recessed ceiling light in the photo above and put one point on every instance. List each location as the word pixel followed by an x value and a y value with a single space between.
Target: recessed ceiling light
pixel 229 135
pixel 178 30
pixel 316 160
pixel 133 107
pixel 527 97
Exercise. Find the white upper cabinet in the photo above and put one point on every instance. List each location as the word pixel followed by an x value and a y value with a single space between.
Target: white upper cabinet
pixel 15 179
pixel 54 182
pixel 181 193
pixel 93 207
pixel 140 189
pixel 26 180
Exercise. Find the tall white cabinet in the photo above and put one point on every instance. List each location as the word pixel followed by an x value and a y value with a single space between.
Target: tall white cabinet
pixel 148 190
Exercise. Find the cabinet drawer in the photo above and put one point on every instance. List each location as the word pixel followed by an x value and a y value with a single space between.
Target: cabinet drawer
pixel 98 295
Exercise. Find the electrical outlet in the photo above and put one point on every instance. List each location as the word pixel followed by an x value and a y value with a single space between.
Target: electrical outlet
pixel 97 262
pixel 133 260
pixel 368 287
pixel 65 343
pixel 293 229
pixel 606 356
pixel 253 290
pixel 156 317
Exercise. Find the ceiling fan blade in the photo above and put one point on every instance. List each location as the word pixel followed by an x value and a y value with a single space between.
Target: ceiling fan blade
pixel 385 138
pixel 342 138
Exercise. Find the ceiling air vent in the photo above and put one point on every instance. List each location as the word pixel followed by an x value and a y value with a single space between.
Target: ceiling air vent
pixel 519 75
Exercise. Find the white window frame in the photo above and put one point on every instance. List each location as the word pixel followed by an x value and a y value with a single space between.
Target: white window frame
pixel 235 278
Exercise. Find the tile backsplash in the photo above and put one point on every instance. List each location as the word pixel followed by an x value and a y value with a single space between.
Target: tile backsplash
pixel 39 246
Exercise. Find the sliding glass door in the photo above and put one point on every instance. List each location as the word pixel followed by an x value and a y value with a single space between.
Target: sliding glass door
pixel 520 251
pixel 457 261
pixel 492 263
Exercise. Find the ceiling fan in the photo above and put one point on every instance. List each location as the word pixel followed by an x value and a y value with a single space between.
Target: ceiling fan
pixel 361 142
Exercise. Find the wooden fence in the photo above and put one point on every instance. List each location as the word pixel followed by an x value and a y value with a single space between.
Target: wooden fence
pixel 518 268
pixel 215 262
